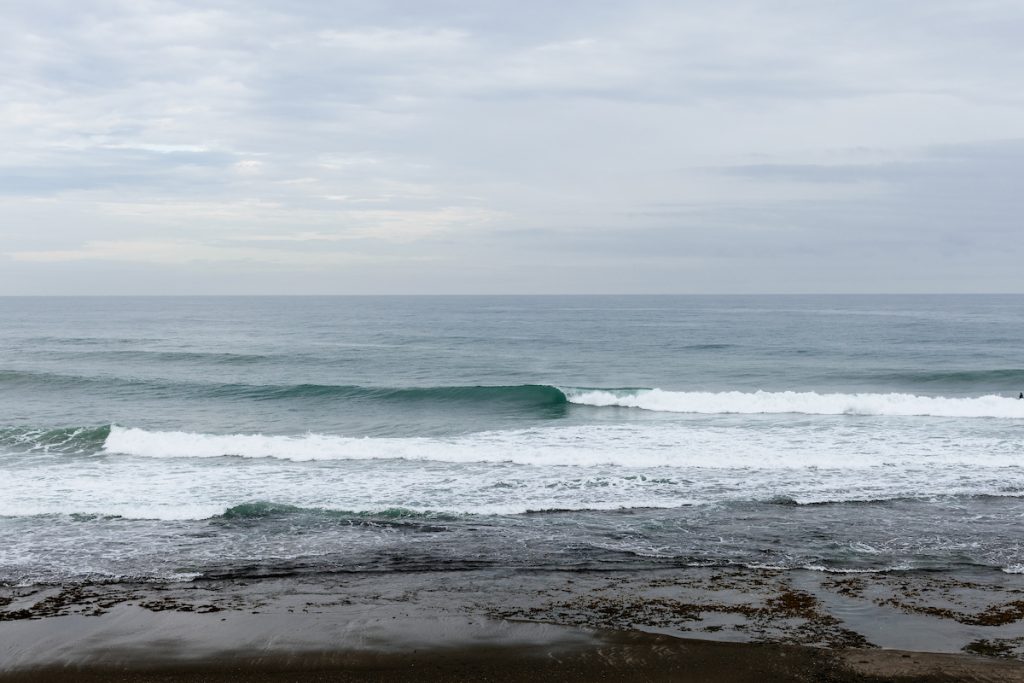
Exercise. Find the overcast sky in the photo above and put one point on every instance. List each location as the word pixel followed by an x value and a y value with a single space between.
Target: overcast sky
pixel 152 147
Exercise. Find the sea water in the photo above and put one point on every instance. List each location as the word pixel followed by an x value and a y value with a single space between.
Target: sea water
pixel 155 438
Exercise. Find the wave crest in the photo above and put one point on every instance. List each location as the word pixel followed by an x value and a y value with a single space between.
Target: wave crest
pixel 803 402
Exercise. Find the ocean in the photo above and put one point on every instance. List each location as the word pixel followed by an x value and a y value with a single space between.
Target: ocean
pixel 178 438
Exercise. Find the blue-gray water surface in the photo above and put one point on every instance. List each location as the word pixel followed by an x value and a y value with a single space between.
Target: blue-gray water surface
pixel 209 436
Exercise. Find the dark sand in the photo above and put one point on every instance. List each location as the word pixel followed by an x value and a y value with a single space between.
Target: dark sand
pixel 669 624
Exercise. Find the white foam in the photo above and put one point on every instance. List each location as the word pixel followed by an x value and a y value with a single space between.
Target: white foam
pixel 659 463
pixel 806 402
pixel 835 570
pixel 849 446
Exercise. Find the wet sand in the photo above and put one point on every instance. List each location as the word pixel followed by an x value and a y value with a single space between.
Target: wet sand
pixel 615 657
pixel 670 624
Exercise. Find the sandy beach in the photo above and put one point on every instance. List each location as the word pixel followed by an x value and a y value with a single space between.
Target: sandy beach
pixel 673 624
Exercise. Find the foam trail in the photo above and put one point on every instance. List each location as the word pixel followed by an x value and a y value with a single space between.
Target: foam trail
pixel 846 447
pixel 806 402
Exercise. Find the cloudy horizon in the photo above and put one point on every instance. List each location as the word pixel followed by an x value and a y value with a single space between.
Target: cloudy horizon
pixel 164 147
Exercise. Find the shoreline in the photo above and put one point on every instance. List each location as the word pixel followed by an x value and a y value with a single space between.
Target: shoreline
pixel 713 624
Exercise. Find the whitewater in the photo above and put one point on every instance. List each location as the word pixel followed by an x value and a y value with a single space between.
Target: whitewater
pixel 143 438
pixel 138 472
pixel 805 402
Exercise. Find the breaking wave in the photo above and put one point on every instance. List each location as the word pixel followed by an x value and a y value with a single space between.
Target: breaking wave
pixel 804 402
pixel 638 445
pixel 548 400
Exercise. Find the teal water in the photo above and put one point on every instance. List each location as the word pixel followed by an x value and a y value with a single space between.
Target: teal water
pixel 156 437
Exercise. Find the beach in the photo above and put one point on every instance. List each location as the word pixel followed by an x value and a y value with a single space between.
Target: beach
pixel 673 624
pixel 511 341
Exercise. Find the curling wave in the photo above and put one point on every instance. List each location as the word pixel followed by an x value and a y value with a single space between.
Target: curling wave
pixel 524 396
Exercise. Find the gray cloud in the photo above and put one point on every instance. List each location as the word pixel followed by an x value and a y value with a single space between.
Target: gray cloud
pixel 175 146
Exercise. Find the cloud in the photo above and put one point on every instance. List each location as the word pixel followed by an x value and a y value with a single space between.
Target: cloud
pixel 527 146
pixel 178 252
pixel 395 41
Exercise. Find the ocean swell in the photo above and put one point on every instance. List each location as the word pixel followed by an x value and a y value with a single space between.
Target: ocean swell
pixel 67 440
pixel 521 395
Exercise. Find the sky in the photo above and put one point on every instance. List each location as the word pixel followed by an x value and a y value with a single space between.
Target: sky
pixel 511 147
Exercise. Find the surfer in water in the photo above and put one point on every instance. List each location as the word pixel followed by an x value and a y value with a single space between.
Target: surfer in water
pixel 1021 396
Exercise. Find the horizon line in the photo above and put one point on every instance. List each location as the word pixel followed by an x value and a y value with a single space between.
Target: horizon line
pixel 503 294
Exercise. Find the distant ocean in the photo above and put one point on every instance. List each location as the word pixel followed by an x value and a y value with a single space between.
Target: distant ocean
pixel 163 438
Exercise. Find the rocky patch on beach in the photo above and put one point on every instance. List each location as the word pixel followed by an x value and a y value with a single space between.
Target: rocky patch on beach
pixel 756 606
